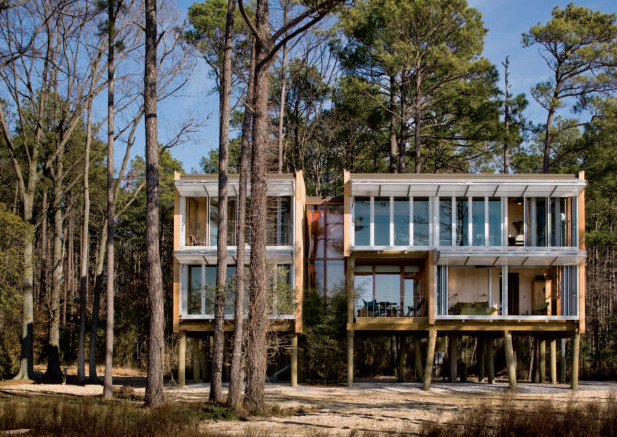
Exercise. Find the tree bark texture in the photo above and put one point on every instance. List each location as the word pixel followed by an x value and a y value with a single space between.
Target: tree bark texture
pixel 154 382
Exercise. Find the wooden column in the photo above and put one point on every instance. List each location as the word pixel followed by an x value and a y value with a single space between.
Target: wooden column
pixel 542 360
pixel 195 353
pixel 562 370
pixel 490 360
pixel 182 359
pixel 510 361
pixel 453 355
pixel 349 289
pixel 402 358
pixel 553 360
pixel 430 357
pixel 576 343
pixel 203 359
pixel 481 358
pixel 294 359
pixel 417 346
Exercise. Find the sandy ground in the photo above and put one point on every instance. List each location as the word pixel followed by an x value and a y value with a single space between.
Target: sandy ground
pixel 371 406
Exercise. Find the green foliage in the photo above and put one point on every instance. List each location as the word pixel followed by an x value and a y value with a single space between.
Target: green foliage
pixel 325 336
pixel 14 232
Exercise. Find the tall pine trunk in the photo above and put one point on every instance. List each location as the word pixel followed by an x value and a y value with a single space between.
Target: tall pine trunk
pixel 234 397
pixel 154 382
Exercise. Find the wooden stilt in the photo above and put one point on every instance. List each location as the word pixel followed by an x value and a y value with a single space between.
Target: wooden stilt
pixel 510 361
pixel 350 358
pixel 182 359
pixel 294 359
pixel 490 360
pixel 430 357
pixel 576 343
pixel 542 360
pixel 453 355
pixel 562 370
pixel 417 346
pixel 553 360
pixel 402 357
pixel 481 358
pixel 203 359
pixel 195 353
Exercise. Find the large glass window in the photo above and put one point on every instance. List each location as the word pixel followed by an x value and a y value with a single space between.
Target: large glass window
pixel 197 221
pixel 462 221
pixel 231 222
pixel 516 221
pixel 195 290
pixel 478 221
pixel 541 221
pixel 214 221
pixel 421 223
pixel 278 232
pixel 382 221
pixel 334 229
pixel 362 221
pixel 494 222
pixel 388 284
pixel 562 224
pixel 401 222
pixel 316 235
pixel 445 221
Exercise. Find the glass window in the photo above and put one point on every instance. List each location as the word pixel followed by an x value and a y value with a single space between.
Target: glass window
pixel 362 221
pixel 382 221
pixel 462 221
pixel 210 289
pixel 445 221
pixel 316 275
pixel 420 221
pixel 516 221
pixel 335 276
pixel 315 231
pixel 561 229
pixel 214 221
pixel 231 222
pixel 196 221
pixel 278 221
pixel 541 221
pixel 194 290
pixel 401 222
pixel 494 222
pixel 478 221
pixel 388 285
pixel 334 229
pixel 363 289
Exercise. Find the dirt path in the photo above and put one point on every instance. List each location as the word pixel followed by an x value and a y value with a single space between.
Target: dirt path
pixel 371 406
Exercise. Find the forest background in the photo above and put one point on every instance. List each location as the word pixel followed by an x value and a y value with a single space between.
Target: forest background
pixel 377 86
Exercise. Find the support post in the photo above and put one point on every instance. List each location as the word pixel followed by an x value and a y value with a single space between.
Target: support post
pixel 510 361
pixel 553 360
pixel 562 370
pixel 542 360
pixel 481 358
pixel 182 359
pixel 402 358
pixel 430 358
pixel 195 353
pixel 417 346
pixel 453 355
pixel 349 291
pixel 203 359
pixel 294 359
pixel 576 343
pixel 490 360
pixel 349 358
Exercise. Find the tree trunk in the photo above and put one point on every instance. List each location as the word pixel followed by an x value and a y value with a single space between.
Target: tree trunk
pixel 96 304
pixel 393 142
pixel 111 276
pixel 216 387
pixel 285 5
pixel 154 383
pixel 42 290
pixel 402 141
pixel 235 382
pixel 258 316
pixel 547 140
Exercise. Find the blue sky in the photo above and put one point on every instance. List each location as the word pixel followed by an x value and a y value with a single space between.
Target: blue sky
pixel 505 20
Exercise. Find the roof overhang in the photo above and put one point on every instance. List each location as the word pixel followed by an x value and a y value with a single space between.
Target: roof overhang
pixel 466 185
pixel 557 257
pixel 207 255
pixel 208 186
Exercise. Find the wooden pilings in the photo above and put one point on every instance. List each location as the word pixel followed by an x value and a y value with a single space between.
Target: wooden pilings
pixel 418 358
pixel 576 343
pixel 182 359
pixel 553 360
pixel 542 360
pixel 402 358
pixel 294 359
pixel 453 355
pixel 350 369
pixel 510 360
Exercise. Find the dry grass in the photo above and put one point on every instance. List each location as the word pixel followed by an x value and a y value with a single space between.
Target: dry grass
pixel 591 419
pixel 93 417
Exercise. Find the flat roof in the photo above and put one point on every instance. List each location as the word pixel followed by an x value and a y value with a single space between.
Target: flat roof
pixel 207 185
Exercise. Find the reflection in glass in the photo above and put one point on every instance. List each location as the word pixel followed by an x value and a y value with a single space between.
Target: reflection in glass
pixel 478 221
pixel 195 290
pixel 401 222
pixel 516 221
pixel 196 221
pixel 214 221
pixel 315 231
pixel 362 221
pixel 420 221
pixel 541 221
pixel 494 222
pixel 462 221
pixel 231 222
pixel 278 221
pixel 363 287
pixel 334 229
pixel 388 285
pixel 445 221
pixel 316 275
pixel 335 276
pixel 382 221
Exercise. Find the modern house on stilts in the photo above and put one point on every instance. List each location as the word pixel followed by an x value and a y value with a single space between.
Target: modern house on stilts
pixel 424 255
